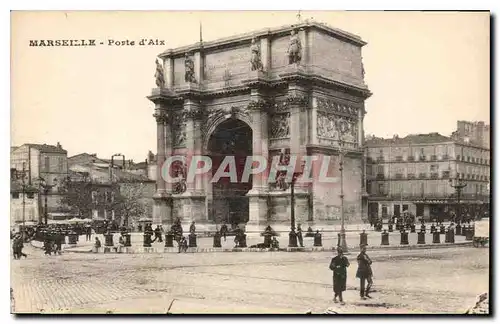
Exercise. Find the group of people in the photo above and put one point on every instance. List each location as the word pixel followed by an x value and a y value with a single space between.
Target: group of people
pixel 339 265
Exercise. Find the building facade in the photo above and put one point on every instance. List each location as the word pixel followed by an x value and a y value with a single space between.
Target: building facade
pixel 104 183
pixel 43 164
pixel 416 173
pixel 290 91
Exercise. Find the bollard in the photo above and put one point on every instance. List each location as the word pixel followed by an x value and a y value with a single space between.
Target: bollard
pixel 458 230
pixel 363 238
pixel 412 228
pixel 391 228
pixel 72 238
pixel 267 239
pixel 452 236
pixel 108 239
pixel 404 238
pixel 447 236
pixel 192 240
pixel 217 243
pixel 127 239
pixel 436 238
pixel 465 229
pixel 317 239
pixel 169 239
pixel 243 241
pixel 469 234
pixel 385 238
pixel 147 240
pixel 292 239
pixel 421 237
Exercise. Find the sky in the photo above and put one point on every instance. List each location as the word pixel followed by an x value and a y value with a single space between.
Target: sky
pixel 426 71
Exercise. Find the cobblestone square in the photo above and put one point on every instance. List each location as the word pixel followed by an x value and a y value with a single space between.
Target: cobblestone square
pixel 416 281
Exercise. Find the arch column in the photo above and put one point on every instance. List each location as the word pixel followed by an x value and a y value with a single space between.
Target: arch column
pixel 162 211
pixel 193 199
pixel 259 194
pixel 299 130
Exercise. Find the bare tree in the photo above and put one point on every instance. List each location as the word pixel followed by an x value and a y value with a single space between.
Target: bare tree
pixel 129 202
pixel 77 196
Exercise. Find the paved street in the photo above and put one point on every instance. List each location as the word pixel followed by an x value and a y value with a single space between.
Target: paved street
pixel 420 281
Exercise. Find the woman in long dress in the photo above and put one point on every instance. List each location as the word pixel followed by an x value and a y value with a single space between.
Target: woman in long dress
pixel 339 266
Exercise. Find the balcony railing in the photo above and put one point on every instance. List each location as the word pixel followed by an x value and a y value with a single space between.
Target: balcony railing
pixel 422 175
pixel 421 158
pixel 434 175
pixel 398 158
pixel 433 158
pixel 398 176
pixel 411 176
pixel 411 158
pixel 380 159
pixel 380 176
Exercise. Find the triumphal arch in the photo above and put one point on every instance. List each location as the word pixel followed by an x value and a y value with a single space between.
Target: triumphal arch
pixel 276 93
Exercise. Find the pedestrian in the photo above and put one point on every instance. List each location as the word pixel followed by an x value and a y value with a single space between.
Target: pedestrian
pixel 97 244
pixel 339 266
pixel 192 228
pixel 20 246
pixel 183 246
pixel 364 273
pixel 299 236
pixel 121 243
pixel 158 234
pixel 58 242
pixel 223 231
pixel 15 250
pixel 88 233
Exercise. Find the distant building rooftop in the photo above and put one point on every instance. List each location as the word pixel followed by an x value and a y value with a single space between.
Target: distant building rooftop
pixel 44 148
pixel 409 139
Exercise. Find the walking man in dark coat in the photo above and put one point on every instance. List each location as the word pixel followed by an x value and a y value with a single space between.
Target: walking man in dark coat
pixel 364 273
pixel 339 266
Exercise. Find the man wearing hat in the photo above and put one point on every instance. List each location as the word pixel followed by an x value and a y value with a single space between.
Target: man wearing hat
pixel 339 266
pixel 364 272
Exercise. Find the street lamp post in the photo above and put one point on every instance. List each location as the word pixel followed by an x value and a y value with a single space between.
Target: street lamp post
pixel 458 184
pixel 342 241
pixel 292 237
pixel 46 188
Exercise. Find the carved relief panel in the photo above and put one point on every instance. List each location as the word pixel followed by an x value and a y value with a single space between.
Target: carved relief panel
pixel 178 129
pixel 336 121
pixel 279 120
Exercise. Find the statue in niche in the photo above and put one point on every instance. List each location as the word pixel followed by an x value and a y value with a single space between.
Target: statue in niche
pixel 294 48
pixel 159 75
pixel 179 173
pixel 189 69
pixel 281 174
pixel 255 59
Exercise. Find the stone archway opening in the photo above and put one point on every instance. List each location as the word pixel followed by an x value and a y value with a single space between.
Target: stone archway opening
pixel 229 203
